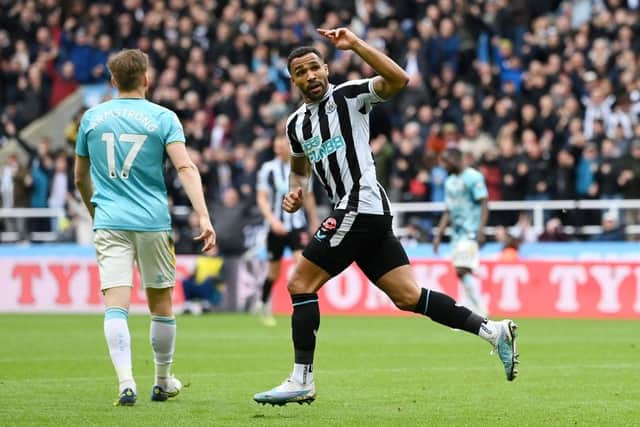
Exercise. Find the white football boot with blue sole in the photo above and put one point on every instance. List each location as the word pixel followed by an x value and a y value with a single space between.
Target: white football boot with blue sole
pixel 505 346
pixel 290 391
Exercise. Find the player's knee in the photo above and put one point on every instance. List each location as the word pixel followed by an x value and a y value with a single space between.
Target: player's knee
pixel 296 286
pixel 159 302
pixel 161 310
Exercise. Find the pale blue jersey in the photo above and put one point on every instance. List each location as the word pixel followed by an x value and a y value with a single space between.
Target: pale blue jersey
pixel 125 141
pixel 463 194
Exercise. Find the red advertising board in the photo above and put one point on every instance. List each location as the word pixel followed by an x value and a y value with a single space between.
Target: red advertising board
pixel 519 289
pixel 69 284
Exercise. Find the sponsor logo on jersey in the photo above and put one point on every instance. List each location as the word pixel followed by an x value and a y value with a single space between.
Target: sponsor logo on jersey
pixel 316 149
pixel 319 236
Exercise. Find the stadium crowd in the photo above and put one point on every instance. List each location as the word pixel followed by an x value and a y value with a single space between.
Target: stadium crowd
pixel 542 96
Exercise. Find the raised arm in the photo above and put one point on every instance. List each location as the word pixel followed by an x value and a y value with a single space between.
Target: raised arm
pixel 392 78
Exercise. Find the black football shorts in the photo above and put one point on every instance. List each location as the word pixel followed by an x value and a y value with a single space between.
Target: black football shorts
pixel 347 236
pixel 294 239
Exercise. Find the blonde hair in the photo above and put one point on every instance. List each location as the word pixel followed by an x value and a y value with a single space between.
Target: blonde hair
pixel 128 68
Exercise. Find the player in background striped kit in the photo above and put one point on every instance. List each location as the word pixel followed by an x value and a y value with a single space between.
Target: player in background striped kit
pixel 285 229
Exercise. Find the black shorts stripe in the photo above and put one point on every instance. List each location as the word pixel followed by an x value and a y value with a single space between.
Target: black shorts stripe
pixel 320 172
pixel 293 139
pixel 352 156
pixel 325 133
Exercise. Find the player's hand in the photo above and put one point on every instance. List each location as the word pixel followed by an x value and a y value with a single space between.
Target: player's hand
pixel 278 228
pixel 341 38
pixel 207 234
pixel 293 201
pixel 436 244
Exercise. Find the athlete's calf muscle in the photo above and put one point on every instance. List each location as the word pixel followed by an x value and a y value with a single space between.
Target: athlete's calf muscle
pixel 400 285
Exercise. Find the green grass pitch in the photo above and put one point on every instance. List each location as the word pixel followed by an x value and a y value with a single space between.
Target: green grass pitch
pixel 55 371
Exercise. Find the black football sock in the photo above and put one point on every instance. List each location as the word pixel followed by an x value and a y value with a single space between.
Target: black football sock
pixel 305 322
pixel 442 308
pixel 266 290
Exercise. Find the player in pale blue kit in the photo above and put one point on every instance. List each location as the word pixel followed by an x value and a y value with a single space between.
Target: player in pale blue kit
pixel 467 209
pixel 121 149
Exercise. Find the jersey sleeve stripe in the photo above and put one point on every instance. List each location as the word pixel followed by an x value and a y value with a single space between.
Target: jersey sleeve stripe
pixel 373 92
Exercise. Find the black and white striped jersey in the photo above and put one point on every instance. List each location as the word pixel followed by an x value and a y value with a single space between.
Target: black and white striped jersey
pixel 334 135
pixel 273 177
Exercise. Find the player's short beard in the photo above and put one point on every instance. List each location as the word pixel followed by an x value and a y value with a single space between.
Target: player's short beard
pixel 318 97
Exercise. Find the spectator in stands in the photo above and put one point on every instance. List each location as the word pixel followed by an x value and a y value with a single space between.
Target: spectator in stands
pixel 629 182
pixel 203 288
pixel 230 218
pixel 510 245
pixel 586 185
pixel 383 157
pixel 63 83
pixel 14 190
pixel 76 46
pixel 608 173
pixel 61 185
pixel 490 168
pixel 474 141
pixel 39 183
pixel 553 232
pixel 184 236
pixel 612 231
pixel 437 176
pixel 32 95
pixel 246 175
pixel 563 176
pixel 537 167
pixel 523 229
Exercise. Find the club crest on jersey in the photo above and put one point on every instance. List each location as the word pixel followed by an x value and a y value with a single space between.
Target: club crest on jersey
pixel 326 229
pixel 329 224
pixel 316 149
pixel 331 107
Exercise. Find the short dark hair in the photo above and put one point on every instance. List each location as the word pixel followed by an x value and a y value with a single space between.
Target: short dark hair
pixel 302 51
